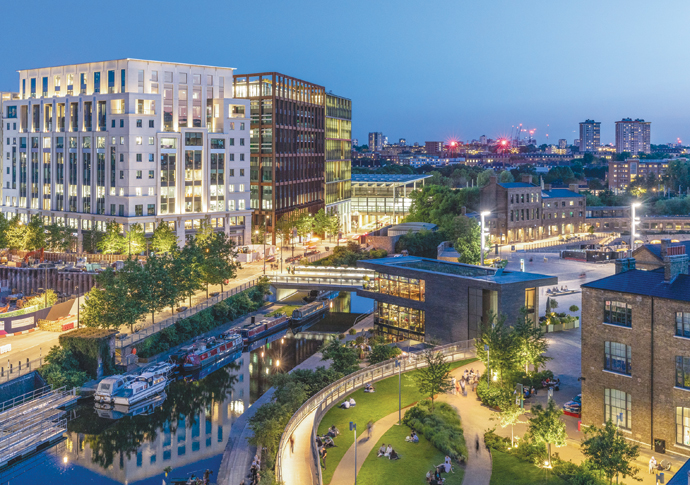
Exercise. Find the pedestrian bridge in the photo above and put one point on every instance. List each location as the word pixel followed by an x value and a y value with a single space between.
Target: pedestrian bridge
pixel 328 278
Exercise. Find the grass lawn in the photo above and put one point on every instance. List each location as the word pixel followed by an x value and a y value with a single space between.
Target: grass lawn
pixel 415 460
pixel 370 406
pixel 510 469
pixel 287 309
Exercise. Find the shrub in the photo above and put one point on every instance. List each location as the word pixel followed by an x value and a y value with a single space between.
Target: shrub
pixel 352 331
pixel 86 345
pixel 341 336
pixel 534 379
pixel 573 308
pixel 494 395
pixel 381 353
pixel 63 369
pixel 359 340
pixel 496 442
pixel 441 427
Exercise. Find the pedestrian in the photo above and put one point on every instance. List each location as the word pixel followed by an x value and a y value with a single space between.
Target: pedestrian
pixel 292 443
pixel 458 384
pixel 476 443
pixel 652 465
pixel 325 453
pixel 370 427
pixel 462 385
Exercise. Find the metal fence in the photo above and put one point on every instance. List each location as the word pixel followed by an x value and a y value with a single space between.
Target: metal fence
pixel 140 335
pixel 327 397
pixel 21 399
pixel 18 369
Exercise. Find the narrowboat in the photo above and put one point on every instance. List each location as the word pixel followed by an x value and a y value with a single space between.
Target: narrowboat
pixel 144 386
pixel 265 327
pixel 304 313
pixel 204 352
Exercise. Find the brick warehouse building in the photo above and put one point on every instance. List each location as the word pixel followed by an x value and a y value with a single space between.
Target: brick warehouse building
pixel 522 211
pixel 636 352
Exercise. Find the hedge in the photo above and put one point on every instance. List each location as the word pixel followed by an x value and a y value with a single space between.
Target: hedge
pixel 87 345
pixel 441 426
pixel 219 314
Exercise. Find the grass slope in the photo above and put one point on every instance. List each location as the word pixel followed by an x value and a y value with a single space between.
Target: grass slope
pixel 508 469
pixel 370 406
pixel 411 468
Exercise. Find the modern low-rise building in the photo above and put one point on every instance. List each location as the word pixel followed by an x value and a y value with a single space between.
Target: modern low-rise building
pixel 129 140
pixel 382 199
pixel 636 352
pixel 430 300
pixel 622 173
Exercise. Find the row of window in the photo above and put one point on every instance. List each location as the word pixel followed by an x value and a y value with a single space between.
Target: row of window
pixel 387 284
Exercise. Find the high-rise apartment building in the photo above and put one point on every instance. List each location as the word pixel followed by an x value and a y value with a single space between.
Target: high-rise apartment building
pixel 128 140
pixel 375 142
pixel 4 96
pixel 590 136
pixel 562 144
pixel 286 144
pixel 433 147
pixel 482 140
pixel 338 188
pixel 633 136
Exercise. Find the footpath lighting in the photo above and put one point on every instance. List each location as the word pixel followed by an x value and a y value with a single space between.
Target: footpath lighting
pixel 488 369
pixel 485 233
pixel 634 221
pixel 353 427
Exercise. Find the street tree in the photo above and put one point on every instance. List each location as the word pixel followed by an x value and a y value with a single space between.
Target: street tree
pixel 188 273
pixel 4 229
pixel 157 288
pixel 546 426
pixel 108 304
pixel 204 233
pixel 35 234
pixel 283 229
pixel 219 260
pixel 16 234
pixel 468 243
pixel 132 278
pixel 321 222
pixel 304 225
pixel 433 379
pixel 135 240
pixel 501 356
pixel 333 225
pixel 609 451
pixel 530 343
pixel 509 415
pixel 112 242
pixel 58 237
pixel 344 359
pixel 164 240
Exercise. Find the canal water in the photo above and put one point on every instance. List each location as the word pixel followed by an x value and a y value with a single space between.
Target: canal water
pixel 188 429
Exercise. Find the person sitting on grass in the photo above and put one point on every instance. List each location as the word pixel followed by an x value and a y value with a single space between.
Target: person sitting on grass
pixel 382 450
pixel 369 388
pixel 333 431
pixel 393 455
pixel 352 403
pixel 387 454
pixel 413 438
pixel 328 442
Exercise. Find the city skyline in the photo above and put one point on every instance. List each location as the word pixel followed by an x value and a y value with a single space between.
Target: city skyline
pixel 507 65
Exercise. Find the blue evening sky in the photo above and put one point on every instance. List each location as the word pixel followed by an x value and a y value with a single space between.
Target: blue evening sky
pixel 429 70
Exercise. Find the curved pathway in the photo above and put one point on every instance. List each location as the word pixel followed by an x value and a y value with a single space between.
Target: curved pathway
pixel 474 419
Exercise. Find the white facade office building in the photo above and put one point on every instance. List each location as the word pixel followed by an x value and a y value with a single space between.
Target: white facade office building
pixel 128 140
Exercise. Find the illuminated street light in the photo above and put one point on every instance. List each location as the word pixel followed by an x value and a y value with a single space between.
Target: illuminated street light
pixel 634 221
pixel 484 233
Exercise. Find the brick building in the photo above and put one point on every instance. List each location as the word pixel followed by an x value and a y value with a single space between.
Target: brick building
pixel 522 211
pixel 622 173
pixel 636 352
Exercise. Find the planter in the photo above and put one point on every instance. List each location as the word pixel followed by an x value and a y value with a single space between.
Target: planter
pixel 577 323
pixel 568 325
pixel 557 327
pixel 549 329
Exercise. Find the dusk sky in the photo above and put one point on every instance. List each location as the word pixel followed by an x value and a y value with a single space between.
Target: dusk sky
pixel 417 70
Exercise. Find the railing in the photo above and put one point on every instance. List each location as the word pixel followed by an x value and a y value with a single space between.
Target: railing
pixel 21 399
pixel 547 244
pixel 296 279
pixel 140 335
pixel 327 397
pixel 13 371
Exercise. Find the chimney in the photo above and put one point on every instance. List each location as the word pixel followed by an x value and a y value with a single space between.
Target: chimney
pixel 526 178
pixel 675 261
pixel 574 188
pixel 624 264
pixel 493 180
pixel 547 187
pixel 463 210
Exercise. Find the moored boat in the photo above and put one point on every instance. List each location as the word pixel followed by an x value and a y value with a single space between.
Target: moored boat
pixel 304 313
pixel 144 386
pixel 206 351
pixel 110 386
pixel 263 328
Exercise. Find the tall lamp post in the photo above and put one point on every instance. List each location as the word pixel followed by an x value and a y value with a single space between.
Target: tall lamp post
pixel 488 367
pixel 76 288
pixel 484 234
pixel 634 221
pixel 398 364
pixel 353 427
pixel 265 227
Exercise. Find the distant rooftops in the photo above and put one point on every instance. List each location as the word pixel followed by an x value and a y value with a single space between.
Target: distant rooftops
pixel 515 185
pixel 387 178
pixel 559 193
pixel 647 283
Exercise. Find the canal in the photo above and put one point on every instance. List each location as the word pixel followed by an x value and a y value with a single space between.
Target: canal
pixel 186 430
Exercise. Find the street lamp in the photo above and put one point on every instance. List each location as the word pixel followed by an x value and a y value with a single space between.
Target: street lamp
pixel 488 368
pixel 484 234
pixel 398 364
pixel 353 427
pixel 634 221
pixel 265 227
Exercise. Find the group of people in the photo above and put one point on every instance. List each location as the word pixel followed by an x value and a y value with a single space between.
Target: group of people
pixel 348 403
pixel 434 477
pixel 194 480
pixel 549 383
pixel 368 387
pixel 469 378
pixel 326 441
pixel 255 471
pixel 413 438
pixel 388 452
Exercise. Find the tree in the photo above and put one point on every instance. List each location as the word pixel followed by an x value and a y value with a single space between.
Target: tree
pixel 506 177
pixel 381 353
pixel 607 450
pixel 344 358
pixel 333 225
pixel 500 340
pixel 422 243
pixel 112 241
pixel 304 225
pixel 58 237
pixel 435 377
pixel 468 242
pixel 483 178
pixel 546 426
pixel 105 302
pixel 16 234
pixel 320 222
pixel 283 229
pixel 219 260
pixel 135 240
pixel 204 233
pixel 4 229
pixel 509 415
pixel 187 273
pixel 157 288
pixel 35 237
pixel 164 240
pixel 530 343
